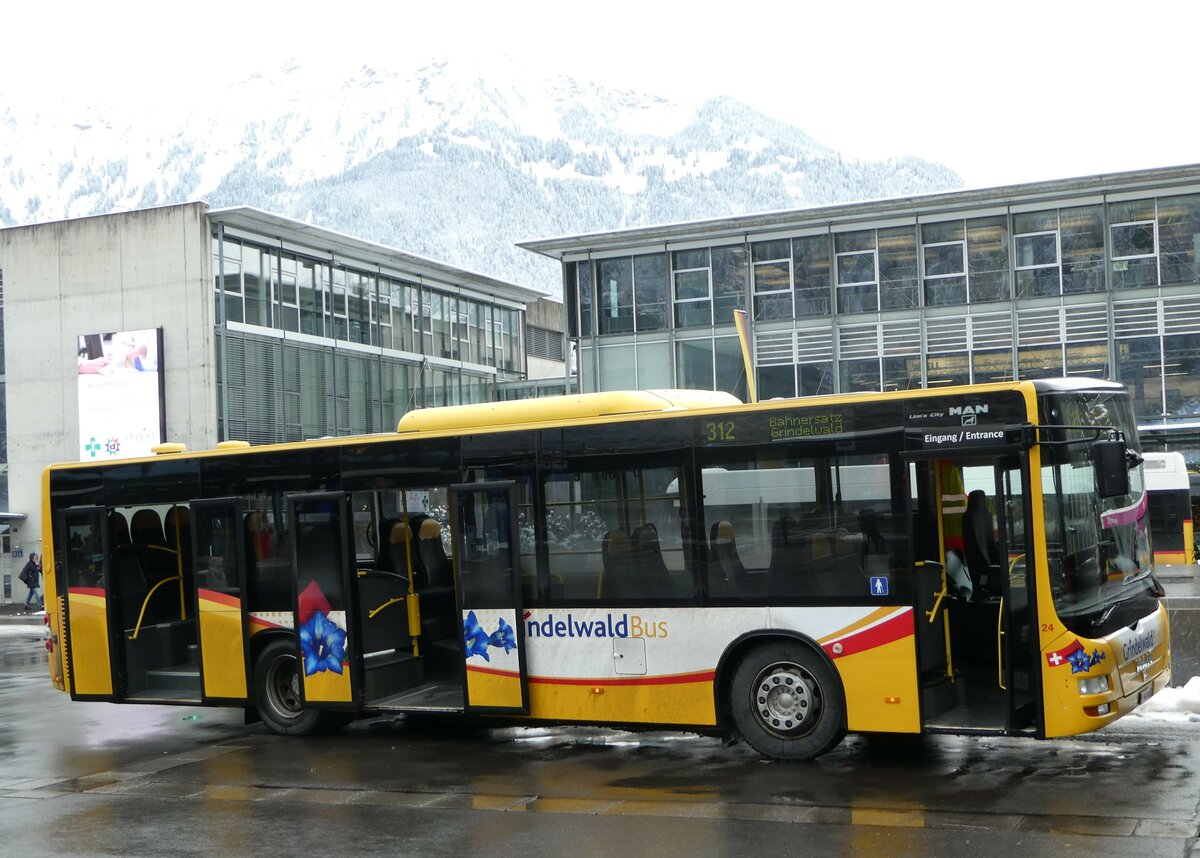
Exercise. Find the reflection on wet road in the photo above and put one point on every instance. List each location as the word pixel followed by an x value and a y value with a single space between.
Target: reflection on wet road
pixel 150 780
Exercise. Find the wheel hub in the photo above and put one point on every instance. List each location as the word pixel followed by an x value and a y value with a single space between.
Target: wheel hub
pixel 785 699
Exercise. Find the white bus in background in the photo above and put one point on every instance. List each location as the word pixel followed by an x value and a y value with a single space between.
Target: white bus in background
pixel 1168 493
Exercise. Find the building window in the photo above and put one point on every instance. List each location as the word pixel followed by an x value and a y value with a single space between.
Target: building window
pixel 583 274
pixel 897 268
pixel 651 288
pixel 1179 239
pixel 289 301
pixel 1059 252
pixel 694 364
pixel 1139 368
pixel 810 273
pixel 1035 250
pixel 1081 233
pixel 693 293
pixel 729 282
pixel 615 279
pixel 944 253
pixel 965 261
pixel 772 279
pixel 987 260
pixel 1133 237
pixel 857 284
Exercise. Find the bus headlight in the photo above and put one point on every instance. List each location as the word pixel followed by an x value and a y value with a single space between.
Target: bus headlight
pixel 1093 685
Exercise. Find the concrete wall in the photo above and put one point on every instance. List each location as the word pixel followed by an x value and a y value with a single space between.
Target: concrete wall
pixel 143 269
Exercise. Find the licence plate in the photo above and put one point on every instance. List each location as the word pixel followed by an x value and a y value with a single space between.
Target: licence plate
pixel 1145 694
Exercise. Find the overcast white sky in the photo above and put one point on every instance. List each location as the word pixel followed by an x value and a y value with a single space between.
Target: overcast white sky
pixel 1001 92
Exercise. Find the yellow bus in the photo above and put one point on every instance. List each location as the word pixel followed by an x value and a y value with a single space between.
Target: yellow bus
pixel 962 560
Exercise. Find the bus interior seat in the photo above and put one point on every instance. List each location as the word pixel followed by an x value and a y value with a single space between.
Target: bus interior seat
pixel 616 564
pixel 834 568
pixel 432 552
pixel 728 564
pixel 648 562
pixel 384 555
pixel 434 574
pixel 787 555
pixel 118 529
pixel 979 545
pixel 146 528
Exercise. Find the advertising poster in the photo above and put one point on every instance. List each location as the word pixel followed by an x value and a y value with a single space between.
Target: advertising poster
pixel 120 394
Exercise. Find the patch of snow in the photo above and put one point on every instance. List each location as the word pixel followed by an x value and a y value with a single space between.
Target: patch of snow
pixel 1173 704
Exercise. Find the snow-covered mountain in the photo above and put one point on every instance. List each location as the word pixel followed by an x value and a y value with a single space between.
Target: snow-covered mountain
pixel 442 161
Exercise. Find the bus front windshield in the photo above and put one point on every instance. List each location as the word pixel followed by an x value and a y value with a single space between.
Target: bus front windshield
pixel 1099 555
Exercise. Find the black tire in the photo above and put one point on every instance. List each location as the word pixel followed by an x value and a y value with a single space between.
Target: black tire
pixel 277 691
pixel 787 701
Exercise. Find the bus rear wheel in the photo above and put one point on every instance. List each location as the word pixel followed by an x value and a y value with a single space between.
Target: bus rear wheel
pixel 277 691
pixel 787 702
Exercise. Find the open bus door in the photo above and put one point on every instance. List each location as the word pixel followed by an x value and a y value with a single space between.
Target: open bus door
pixel 92 603
pixel 329 666
pixel 219 590
pixel 976 643
pixel 488 581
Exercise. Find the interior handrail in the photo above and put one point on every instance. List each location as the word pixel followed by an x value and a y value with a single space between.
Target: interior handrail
pixel 137 629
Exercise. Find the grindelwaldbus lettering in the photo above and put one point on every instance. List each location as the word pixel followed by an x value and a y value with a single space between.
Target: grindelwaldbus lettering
pixel 608 626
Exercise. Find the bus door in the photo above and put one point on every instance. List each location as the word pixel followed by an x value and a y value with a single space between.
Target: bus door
pixel 976 644
pixel 319 530
pixel 219 593
pixel 488 581
pixel 93 607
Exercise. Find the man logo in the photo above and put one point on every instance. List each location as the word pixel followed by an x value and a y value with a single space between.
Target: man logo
pixel 968 413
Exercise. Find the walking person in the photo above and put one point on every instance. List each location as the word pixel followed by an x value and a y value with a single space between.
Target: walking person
pixel 31 577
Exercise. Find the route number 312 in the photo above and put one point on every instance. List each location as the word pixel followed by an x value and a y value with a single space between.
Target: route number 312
pixel 721 431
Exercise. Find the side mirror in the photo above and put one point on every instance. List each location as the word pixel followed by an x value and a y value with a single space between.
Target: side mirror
pixel 1112 468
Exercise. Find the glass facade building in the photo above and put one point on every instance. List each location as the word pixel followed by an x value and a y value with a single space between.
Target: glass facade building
pixel 319 334
pixel 1092 277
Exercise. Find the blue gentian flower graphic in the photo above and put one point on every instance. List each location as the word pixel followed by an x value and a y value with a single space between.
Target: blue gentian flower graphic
pixel 504 636
pixel 475 639
pixel 323 645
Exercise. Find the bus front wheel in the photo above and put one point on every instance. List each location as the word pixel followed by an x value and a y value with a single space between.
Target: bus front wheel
pixel 277 691
pixel 787 702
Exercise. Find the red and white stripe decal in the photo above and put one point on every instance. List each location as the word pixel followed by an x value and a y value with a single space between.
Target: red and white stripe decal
pixel 895 626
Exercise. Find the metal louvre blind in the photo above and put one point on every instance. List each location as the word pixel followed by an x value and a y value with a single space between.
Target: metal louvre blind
pixel 814 345
pixel 901 338
pixel 946 334
pixel 991 331
pixel 543 343
pixel 341 393
pixel 1181 315
pixel 858 341
pixel 1040 326
pixel 777 348
pixel 252 392
pixel 314 382
pixel 1136 319
pixel 1086 323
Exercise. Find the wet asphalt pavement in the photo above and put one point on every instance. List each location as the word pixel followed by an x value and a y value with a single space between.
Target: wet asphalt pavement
pixel 99 779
